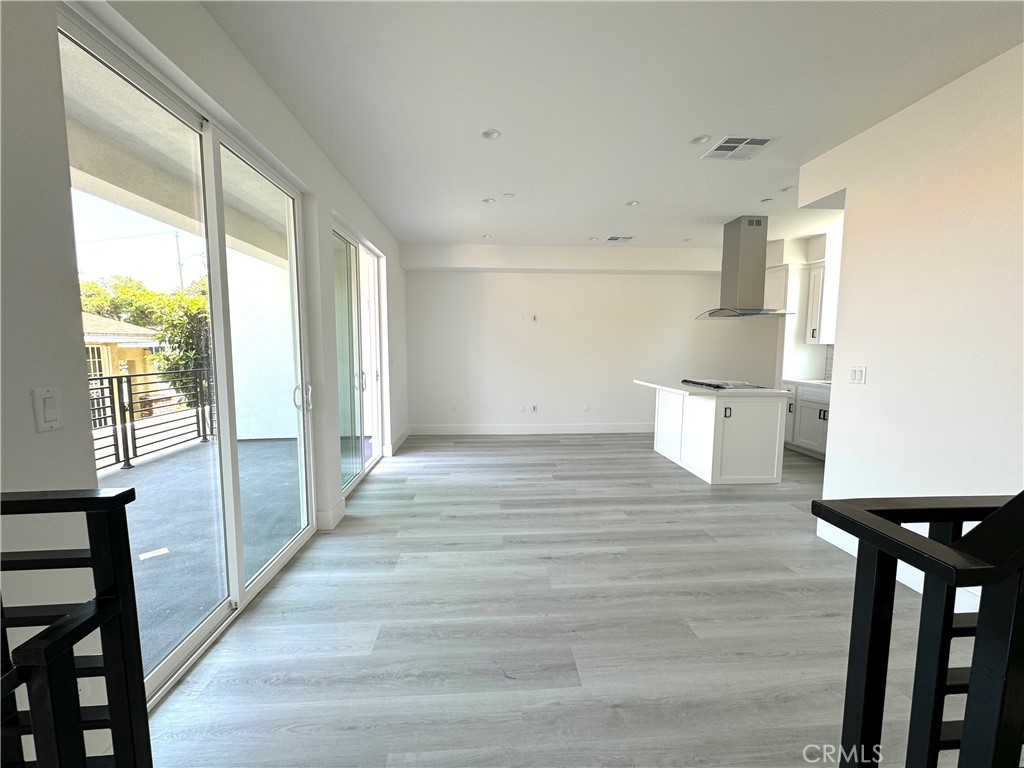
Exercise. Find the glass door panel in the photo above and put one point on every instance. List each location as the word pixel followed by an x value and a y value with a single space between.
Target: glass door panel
pixel 140 231
pixel 346 319
pixel 369 324
pixel 259 227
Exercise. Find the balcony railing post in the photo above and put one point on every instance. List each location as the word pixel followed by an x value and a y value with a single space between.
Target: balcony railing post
pixel 201 405
pixel 124 414
pixel 873 595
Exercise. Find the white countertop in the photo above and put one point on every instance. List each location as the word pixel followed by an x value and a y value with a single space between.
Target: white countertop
pixel 809 382
pixel 685 389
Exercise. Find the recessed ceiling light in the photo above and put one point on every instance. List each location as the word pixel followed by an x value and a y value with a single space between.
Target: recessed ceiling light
pixel 594 239
pixel 487 200
pixel 687 239
pixel 790 188
pixel 491 134
pixel 702 139
pixel 508 194
pixel 487 237
pixel 767 199
pixel 633 203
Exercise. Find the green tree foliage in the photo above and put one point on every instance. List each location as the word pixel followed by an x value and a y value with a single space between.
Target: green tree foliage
pixel 184 326
pixel 181 319
pixel 123 298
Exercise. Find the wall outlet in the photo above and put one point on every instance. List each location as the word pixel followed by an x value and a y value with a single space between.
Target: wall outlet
pixel 533 408
pixel 586 407
pixel 455 408
pixel 858 374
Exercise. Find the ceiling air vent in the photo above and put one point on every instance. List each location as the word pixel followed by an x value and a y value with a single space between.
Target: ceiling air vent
pixel 737 148
pixel 619 239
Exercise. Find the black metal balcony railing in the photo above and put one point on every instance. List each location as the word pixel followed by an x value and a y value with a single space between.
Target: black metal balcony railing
pixel 138 414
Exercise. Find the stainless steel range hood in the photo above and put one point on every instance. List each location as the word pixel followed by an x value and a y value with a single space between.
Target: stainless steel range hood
pixel 744 257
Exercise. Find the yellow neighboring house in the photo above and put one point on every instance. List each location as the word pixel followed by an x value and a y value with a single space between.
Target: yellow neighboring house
pixel 114 347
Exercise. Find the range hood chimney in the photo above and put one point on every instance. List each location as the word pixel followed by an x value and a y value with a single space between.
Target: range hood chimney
pixel 744 257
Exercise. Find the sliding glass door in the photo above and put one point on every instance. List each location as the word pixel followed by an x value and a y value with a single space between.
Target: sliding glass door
pixel 350 374
pixel 269 397
pixel 369 324
pixel 139 200
pixel 187 255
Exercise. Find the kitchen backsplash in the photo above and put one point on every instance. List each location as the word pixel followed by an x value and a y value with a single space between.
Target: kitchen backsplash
pixel 829 349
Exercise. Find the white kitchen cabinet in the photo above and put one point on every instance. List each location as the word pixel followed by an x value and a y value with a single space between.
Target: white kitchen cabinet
pixel 815 284
pixel 776 282
pixel 810 429
pixel 810 422
pixel 742 424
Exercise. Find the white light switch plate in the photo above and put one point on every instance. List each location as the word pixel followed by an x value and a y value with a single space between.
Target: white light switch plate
pixel 49 413
pixel 858 374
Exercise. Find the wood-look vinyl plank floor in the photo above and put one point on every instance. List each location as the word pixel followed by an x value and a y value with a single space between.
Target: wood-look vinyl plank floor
pixel 562 601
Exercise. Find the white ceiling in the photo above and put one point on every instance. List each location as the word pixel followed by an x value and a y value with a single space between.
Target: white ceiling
pixel 597 102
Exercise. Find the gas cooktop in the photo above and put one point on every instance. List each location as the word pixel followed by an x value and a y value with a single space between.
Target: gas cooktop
pixel 721 384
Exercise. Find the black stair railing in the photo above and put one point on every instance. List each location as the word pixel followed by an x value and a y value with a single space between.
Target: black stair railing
pixel 990 556
pixel 47 665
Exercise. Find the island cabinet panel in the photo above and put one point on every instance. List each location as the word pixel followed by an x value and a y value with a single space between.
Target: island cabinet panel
pixel 668 424
pixel 697 453
pixel 740 447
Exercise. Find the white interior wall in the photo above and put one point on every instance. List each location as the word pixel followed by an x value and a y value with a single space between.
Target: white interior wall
pixel 41 321
pixel 930 297
pixel 473 344
pixel 42 339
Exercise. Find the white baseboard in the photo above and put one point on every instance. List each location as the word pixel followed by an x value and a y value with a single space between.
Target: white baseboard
pixel 967 600
pixel 530 429
pixel 328 519
pixel 390 448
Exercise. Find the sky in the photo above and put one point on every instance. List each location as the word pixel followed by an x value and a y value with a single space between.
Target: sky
pixel 114 240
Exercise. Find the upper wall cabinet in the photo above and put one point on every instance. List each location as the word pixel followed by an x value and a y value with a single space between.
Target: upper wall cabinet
pixel 816 279
pixel 824 253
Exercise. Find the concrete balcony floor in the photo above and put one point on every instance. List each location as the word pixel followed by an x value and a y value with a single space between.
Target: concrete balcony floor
pixel 177 531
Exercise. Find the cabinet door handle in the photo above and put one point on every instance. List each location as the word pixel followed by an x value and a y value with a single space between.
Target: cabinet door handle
pixel 820 412
pixel 825 417
pixel 790 409
pixel 814 333
pixel 728 412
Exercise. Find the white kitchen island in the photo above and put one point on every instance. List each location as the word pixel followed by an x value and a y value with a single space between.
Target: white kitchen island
pixel 722 436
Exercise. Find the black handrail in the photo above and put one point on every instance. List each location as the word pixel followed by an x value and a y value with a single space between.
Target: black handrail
pixel 990 555
pixel 46 664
